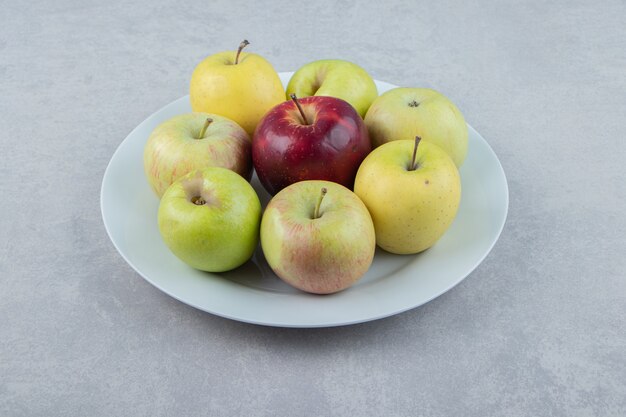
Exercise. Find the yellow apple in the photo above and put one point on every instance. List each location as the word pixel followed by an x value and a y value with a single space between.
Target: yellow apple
pixel 235 84
pixel 403 113
pixel 412 192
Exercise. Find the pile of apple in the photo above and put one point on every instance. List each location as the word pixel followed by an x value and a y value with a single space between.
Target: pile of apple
pixel 334 198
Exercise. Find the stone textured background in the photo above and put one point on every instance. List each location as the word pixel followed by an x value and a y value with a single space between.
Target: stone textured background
pixel 538 329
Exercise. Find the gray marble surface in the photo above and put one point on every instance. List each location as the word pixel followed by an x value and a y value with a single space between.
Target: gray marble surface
pixel 538 329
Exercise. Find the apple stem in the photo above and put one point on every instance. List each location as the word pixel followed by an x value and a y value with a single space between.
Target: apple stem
pixel 207 122
pixel 198 201
pixel 242 45
pixel 316 213
pixel 295 100
pixel 413 165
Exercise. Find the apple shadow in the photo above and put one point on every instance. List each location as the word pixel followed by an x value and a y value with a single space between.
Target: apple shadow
pixel 257 274
pixel 383 333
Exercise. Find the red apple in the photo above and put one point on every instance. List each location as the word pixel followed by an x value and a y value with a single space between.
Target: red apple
pixel 313 138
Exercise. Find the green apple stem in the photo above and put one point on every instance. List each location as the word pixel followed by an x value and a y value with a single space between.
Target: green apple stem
pixel 413 165
pixel 295 100
pixel 316 213
pixel 242 45
pixel 207 122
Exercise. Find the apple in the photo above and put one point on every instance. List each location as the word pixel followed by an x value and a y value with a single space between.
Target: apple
pixel 403 113
pixel 412 189
pixel 314 138
pixel 318 236
pixel 335 78
pixel 193 141
pixel 210 219
pixel 238 85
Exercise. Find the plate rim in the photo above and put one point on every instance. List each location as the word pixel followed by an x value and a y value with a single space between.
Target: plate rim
pixel 288 324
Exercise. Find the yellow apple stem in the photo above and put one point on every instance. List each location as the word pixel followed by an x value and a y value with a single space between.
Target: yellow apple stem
pixel 295 100
pixel 413 166
pixel 242 45
pixel 316 213
pixel 207 122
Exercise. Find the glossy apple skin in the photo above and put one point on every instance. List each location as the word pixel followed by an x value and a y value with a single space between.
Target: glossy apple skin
pixel 331 147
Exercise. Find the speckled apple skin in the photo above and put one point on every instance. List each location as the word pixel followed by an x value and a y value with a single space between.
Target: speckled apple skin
pixel 335 78
pixel 243 92
pixel 322 255
pixel 403 113
pixel 411 209
pixel 173 149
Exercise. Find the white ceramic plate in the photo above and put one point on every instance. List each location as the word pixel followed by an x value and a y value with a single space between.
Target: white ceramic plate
pixel 253 294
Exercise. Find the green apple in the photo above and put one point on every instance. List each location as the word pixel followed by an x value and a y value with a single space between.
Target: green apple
pixel 210 219
pixel 236 84
pixel 193 141
pixel 403 113
pixel 335 78
pixel 412 192
pixel 318 236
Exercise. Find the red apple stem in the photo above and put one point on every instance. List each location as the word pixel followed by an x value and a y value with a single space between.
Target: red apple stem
pixel 316 213
pixel 207 122
pixel 295 100
pixel 413 165
pixel 242 45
